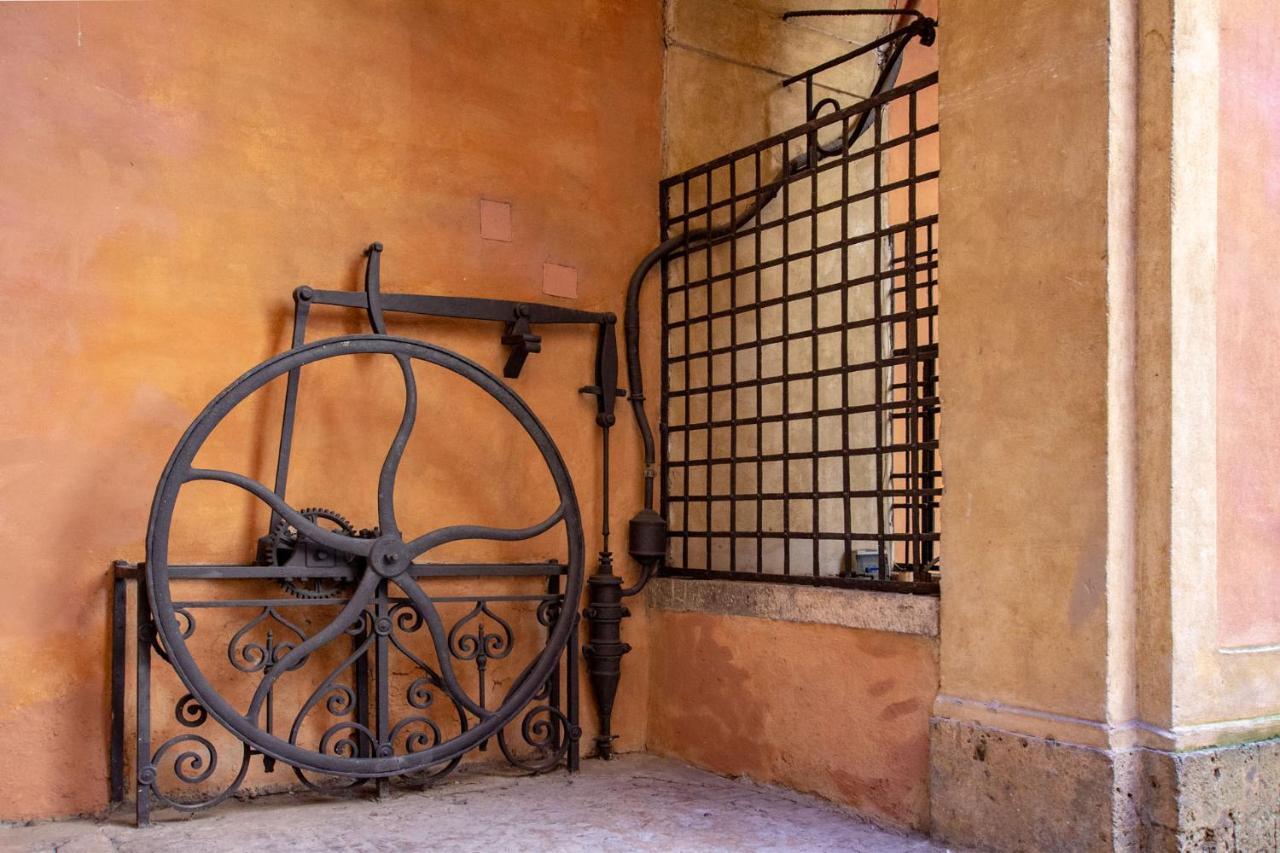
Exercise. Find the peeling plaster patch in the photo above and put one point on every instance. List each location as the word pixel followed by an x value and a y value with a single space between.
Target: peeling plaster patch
pixel 495 220
pixel 558 280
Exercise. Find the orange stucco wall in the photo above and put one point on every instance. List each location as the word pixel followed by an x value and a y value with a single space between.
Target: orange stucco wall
pixel 840 712
pixel 170 171
pixel 1248 317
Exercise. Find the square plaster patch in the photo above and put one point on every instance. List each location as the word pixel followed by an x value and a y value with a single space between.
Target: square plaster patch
pixel 558 280
pixel 495 220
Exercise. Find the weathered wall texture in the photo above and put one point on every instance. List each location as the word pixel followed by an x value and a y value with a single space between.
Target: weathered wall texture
pixel 1207 587
pixel 836 711
pixel 1024 365
pixel 1248 313
pixel 169 172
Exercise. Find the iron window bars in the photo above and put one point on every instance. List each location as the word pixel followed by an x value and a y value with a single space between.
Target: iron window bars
pixel 799 359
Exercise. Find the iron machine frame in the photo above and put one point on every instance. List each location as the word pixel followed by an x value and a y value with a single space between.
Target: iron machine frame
pixel 371 578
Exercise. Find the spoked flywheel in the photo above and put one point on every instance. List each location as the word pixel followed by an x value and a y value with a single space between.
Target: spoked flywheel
pixel 370 595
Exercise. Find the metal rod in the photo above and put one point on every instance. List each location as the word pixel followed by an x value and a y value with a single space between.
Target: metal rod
pixel 301 309
pixel 144 632
pixel 572 686
pixel 910 30
pixel 382 681
pixel 823 13
pixel 119 629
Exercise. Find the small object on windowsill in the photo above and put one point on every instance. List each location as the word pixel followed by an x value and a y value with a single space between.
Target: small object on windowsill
pixel 867 562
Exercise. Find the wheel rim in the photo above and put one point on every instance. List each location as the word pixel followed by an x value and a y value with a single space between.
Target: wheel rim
pixel 387 559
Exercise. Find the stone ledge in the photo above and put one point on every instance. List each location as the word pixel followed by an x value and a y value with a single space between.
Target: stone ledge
pixel 896 612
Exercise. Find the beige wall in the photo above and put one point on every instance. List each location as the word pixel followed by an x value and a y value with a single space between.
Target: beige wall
pixel 170 171
pixel 1025 359
pixel 1082 514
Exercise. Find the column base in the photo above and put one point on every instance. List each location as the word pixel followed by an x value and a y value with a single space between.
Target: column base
pixel 1006 791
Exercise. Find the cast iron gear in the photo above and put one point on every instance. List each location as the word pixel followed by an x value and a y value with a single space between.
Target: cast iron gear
pixel 283 541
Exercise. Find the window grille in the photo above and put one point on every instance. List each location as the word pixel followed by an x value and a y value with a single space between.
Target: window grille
pixel 800 403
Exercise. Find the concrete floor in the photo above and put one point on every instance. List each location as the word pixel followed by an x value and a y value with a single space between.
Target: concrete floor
pixel 636 802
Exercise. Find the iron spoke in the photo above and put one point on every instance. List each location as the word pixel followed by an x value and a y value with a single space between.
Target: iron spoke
pixel 439 640
pixel 458 532
pixel 360 598
pixel 304 526
pixel 387 479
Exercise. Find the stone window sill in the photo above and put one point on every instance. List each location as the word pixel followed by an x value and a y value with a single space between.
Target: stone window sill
pixel 896 612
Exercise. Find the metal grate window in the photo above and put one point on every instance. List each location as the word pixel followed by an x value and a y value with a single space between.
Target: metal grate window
pixel 800 385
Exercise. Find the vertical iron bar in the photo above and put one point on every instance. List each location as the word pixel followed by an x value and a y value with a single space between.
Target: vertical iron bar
pixel 360 675
pixel 708 447
pixel 914 556
pixel 733 370
pixel 143 770
pixel 382 701
pixel 664 417
pixel 759 264
pixel 786 361
pixel 688 387
pixel 553 680
pixel 119 628
pixel 877 372
pixel 814 485
pixel 930 393
pixel 845 425
pixel 571 687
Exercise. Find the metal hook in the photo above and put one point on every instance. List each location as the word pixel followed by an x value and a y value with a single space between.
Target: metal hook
pixel 372 288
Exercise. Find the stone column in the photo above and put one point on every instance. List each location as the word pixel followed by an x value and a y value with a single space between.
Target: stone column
pixel 1086 700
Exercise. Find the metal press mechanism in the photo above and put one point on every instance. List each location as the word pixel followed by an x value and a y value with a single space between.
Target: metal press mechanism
pixel 353 717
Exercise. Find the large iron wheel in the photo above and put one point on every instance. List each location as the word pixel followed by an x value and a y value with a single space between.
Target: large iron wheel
pixel 387 558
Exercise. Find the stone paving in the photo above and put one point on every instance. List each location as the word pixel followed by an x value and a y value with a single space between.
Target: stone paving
pixel 636 802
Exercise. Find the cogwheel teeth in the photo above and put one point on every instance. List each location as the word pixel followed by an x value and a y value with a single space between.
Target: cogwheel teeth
pixel 284 539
